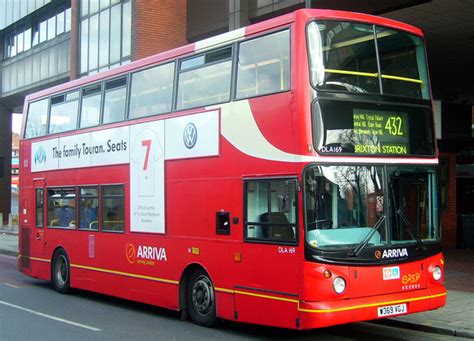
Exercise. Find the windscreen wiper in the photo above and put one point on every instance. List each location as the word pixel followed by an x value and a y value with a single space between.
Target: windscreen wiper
pixel 355 251
pixel 408 224
pixel 410 230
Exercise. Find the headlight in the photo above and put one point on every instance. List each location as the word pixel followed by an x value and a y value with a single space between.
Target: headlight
pixel 437 273
pixel 339 285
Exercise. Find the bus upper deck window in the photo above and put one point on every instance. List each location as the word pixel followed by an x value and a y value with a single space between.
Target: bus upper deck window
pixel 114 100
pixel 63 115
pixel 264 65
pixel 365 58
pixel 213 69
pixel 90 107
pixel 152 91
pixel 37 118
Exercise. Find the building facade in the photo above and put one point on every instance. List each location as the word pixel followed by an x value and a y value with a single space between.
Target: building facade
pixel 47 42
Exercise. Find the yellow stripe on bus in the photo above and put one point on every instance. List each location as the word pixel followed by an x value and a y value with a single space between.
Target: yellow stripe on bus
pixel 362 306
pixel 246 293
pixel 325 311
pixel 114 272
pixel 275 298
pixel 38 259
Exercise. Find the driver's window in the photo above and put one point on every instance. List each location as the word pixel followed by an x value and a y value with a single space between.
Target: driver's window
pixel 270 214
pixel 320 196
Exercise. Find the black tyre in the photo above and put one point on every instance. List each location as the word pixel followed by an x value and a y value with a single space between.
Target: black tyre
pixel 60 274
pixel 200 298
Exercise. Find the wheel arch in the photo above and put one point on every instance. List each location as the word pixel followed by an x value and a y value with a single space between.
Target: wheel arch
pixel 53 254
pixel 183 282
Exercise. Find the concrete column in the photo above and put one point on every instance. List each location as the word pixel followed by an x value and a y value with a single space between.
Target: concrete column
pixel 238 14
pixel 5 162
pixel 75 39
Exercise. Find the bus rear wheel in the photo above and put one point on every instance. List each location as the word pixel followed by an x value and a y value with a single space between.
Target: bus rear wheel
pixel 60 274
pixel 200 299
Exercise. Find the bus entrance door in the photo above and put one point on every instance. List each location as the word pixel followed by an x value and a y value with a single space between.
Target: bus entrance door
pixel 36 221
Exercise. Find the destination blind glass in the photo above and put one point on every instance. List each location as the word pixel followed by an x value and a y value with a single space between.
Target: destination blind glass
pixel 345 127
pixel 380 132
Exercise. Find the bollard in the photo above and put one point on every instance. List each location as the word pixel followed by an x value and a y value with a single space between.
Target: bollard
pixel 10 222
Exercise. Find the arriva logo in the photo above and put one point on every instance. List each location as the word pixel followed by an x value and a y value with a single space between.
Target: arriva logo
pixel 395 253
pixel 146 255
pixel 40 156
pixel 130 252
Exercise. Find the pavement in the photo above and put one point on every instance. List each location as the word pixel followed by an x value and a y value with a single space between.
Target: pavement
pixel 455 319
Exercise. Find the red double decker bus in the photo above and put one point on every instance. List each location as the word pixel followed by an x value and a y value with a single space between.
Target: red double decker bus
pixel 282 174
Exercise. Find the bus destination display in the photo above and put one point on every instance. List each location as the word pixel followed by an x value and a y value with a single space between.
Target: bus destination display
pixel 380 132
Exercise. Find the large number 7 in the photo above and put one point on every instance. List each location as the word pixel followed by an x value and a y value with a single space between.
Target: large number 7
pixel 147 144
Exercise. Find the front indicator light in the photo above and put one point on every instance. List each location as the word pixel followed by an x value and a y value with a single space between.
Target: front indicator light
pixel 437 273
pixel 339 285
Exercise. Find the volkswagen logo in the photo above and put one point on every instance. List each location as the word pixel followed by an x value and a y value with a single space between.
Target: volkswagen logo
pixel 40 155
pixel 190 135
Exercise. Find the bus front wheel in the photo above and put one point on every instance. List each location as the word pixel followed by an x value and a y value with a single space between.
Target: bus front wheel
pixel 60 274
pixel 200 298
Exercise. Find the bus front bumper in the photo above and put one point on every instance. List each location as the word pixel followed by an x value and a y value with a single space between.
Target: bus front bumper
pixel 329 313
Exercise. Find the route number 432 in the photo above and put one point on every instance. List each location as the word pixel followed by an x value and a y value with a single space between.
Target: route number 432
pixel 394 126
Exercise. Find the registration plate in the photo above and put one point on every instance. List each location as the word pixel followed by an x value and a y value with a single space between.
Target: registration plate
pixel 391 310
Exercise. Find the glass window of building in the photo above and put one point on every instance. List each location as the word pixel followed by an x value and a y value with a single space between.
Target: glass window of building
pixel 109 46
pixel 60 21
pixel 43 29
pixel 51 28
pixel 35 35
pixel 68 19
pixel 39 32
pixel 20 44
pixel 28 39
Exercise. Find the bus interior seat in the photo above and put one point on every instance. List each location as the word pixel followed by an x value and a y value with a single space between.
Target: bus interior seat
pixel 278 232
